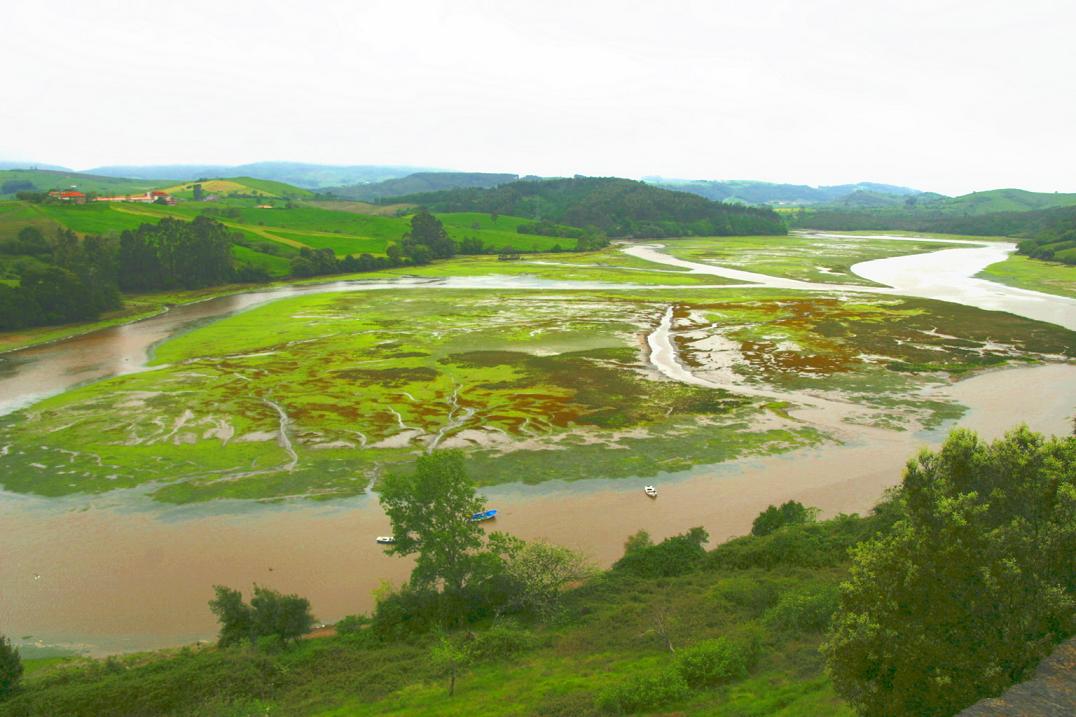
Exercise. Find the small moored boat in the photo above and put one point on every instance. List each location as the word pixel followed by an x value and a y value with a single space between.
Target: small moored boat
pixel 386 539
pixel 484 515
pixel 651 491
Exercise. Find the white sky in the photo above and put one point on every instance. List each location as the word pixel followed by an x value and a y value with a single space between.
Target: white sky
pixel 944 95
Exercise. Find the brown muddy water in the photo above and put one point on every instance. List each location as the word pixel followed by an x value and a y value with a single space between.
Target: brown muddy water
pixel 111 573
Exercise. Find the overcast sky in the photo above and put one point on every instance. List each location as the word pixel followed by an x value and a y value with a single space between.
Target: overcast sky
pixel 950 96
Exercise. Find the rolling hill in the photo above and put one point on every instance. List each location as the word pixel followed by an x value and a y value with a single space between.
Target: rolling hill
pixel 752 192
pixel 420 182
pixel 616 207
pixel 44 180
pixel 300 174
pixel 240 186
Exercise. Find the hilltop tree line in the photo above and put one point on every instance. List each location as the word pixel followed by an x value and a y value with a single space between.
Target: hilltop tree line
pixel 66 279
pixel 1048 223
pixel 610 206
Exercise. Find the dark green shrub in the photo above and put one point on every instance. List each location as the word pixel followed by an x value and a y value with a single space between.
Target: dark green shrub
pixel 754 592
pixel 10 667
pixel 714 662
pixel 810 545
pixel 673 556
pixel 646 692
pixel 351 624
pixel 804 610
pixel 791 513
pixel 501 641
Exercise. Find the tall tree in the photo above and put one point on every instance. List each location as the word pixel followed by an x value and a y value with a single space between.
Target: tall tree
pixel 430 510
pixel 970 589
pixel 10 667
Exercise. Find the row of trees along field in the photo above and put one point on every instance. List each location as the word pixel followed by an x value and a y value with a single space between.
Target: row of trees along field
pixel 1050 232
pixel 956 586
pixel 65 279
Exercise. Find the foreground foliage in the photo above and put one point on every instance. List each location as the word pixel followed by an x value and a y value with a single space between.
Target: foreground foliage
pixel 964 567
pixel 971 587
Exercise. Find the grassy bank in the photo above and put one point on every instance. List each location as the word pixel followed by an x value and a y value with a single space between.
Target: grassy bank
pixel 613 631
pixel 1034 274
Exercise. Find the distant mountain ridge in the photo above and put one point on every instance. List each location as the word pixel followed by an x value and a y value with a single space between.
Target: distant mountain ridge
pixel 755 192
pixel 299 174
pixel 420 182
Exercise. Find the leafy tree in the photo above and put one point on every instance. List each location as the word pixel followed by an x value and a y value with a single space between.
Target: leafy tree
pixel 637 542
pixel 285 616
pixel 539 572
pixel 967 592
pixel 270 613
pixel 449 657
pixel 790 513
pixel 428 232
pixel 673 556
pixel 10 667
pixel 430 510
pixel 235 616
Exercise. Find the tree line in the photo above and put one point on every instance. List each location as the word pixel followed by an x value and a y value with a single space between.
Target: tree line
pixel 66 279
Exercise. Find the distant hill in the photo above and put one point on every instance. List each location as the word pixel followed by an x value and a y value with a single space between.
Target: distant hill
pixel 752 192
pixel 309 176
pixel 420 182
pixel 33 165
pixel 240 187
pixel 1002 212
pixel 43 180
pixel 997 200
pixel 617 207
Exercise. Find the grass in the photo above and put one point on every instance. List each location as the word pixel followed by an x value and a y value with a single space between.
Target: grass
pixel 534 385
pixel 1034 274
pixel 823 260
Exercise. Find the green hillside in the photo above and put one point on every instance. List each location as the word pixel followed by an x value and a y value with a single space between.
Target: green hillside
pixel 239 187
pixel 616 207
pixel 998 200
pixel 42 180
pixel 420 182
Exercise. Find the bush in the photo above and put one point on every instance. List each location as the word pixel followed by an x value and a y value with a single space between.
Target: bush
pixel 642 693
pixel 809 545
pixel 790 513
pixel 804 610
pixel 673 556
pixel 351 624
pixel 756 593
pixel 713 662
pixel 501 641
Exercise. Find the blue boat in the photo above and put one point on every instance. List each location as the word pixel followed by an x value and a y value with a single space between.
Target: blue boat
pixel 484 515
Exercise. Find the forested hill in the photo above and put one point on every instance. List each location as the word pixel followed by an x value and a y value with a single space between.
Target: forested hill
pixel 617 207
pixel 420 182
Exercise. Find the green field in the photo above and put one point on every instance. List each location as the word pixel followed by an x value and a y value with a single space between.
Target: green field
pixel 1026 273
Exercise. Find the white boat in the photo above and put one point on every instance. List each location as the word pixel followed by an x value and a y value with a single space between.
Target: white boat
pixel 651 491
pixel 386 539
